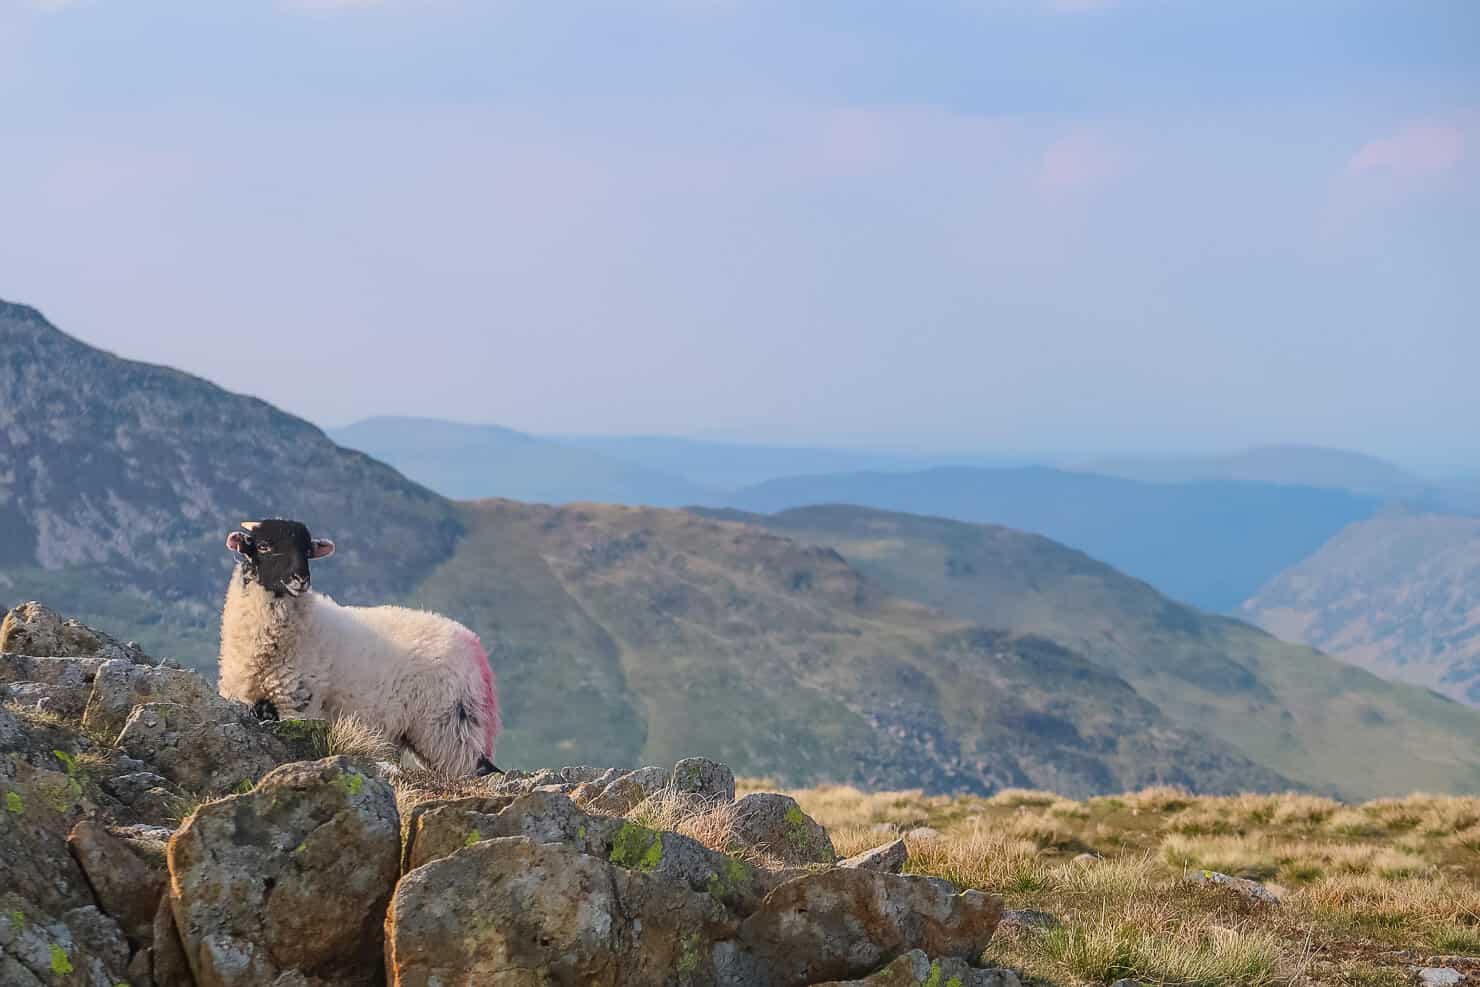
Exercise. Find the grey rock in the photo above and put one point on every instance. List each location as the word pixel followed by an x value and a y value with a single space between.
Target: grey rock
pixel 923 833
pixel 630 790
pixel 1438 976
pixel 889 858
pixel 119 686
pixel 36 630
pixel 289 880
pixel 549 817
pixel 776 825
pixel 169 964
pixel 149 796
pixel 845 923
pixel 704 778
pixel 127 883
pixel 514 912
pixel 58 685
pixel 578 774
pixel 212 749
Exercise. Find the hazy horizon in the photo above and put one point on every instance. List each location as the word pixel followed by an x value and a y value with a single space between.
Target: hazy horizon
pixel 1061 229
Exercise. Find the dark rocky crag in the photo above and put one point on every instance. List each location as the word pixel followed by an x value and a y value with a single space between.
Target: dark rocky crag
pixel 157 835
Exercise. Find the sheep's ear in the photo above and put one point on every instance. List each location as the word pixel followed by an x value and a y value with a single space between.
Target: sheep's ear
pixel 322 549
pixel 238 542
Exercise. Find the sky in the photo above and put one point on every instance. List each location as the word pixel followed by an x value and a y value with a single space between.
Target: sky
pixel 1078 227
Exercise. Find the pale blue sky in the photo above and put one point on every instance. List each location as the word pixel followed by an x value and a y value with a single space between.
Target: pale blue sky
pixel 1005 225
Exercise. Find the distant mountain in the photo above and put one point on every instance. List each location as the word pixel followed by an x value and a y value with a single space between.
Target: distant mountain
pixel 625 635
pixel 1302 713
pixel 1398 594
pixel 1288 465
pixel 120 480
pixel 731 465
pixel 468 462
pixel 1210 544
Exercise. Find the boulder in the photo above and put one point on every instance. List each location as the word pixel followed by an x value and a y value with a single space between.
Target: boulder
pixel 289 880
pixel 210 749
pixel 473 805
pixel 845 923
pixel 126 882
pixel 889 858
pixel 915 969
pixel 515 912
pixel 37 630
pixel 79 946
pixel 627 792
pixel 168 962
pixel 120 685
pixel 57 685
pixel 548 817
pixel 150 797
pixel 777 826
pixel 706 779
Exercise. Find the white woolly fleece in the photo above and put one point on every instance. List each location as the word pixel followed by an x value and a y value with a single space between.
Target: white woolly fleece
pixel 420 677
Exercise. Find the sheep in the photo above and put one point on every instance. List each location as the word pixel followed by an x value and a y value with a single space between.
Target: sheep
pixel 421 678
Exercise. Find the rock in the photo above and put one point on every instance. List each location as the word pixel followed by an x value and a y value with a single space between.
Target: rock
pixel 1251 891
pixel 564 788
pixel 474 805
pixel 840 924
pixel 213 749
pixel 1127 982
pixel 119 686
pixel 889 858
pixel 580 774
pixel 289 880
pixel 169 964
pixel 548 817
pixel 628 791
pixel 1016 923
pixel 514 912
pixel 923 833
pixel 151 797
pixel 58 685
pixel 81 946
pixel 776 825
pixel 915 968
pixel 127 885
pixel 709 780
pixel 1438 976
pixel 37 630
pixel 1085 859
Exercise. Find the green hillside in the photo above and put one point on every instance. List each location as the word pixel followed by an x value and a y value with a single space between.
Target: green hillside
pixel 1314 719
pixel 640 635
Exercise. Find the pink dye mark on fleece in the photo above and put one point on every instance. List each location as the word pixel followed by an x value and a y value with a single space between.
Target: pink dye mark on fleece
pixel 492 722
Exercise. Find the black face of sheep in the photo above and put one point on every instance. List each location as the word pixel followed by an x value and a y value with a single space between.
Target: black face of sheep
pixel 275 553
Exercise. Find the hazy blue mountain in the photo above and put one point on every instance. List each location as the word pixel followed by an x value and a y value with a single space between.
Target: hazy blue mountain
pixel 1287 465
pixel 1209 544
pixel 731 465
pixel 474 461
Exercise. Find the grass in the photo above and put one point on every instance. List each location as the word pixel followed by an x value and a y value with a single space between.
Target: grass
pixel 1366 890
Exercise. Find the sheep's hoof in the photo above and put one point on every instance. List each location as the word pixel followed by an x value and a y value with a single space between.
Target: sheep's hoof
pixel 487 767
pixel 264 710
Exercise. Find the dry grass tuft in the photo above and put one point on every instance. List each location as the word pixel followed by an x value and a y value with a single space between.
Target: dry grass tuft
pixel 352 736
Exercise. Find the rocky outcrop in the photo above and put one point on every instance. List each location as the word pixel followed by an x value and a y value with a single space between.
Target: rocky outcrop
pixel 777 826
pixel 916 969
pixel 290 879
pixel 306 877
pixel 38 631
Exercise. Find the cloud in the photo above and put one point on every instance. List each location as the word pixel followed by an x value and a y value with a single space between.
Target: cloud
pixel 1420 150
